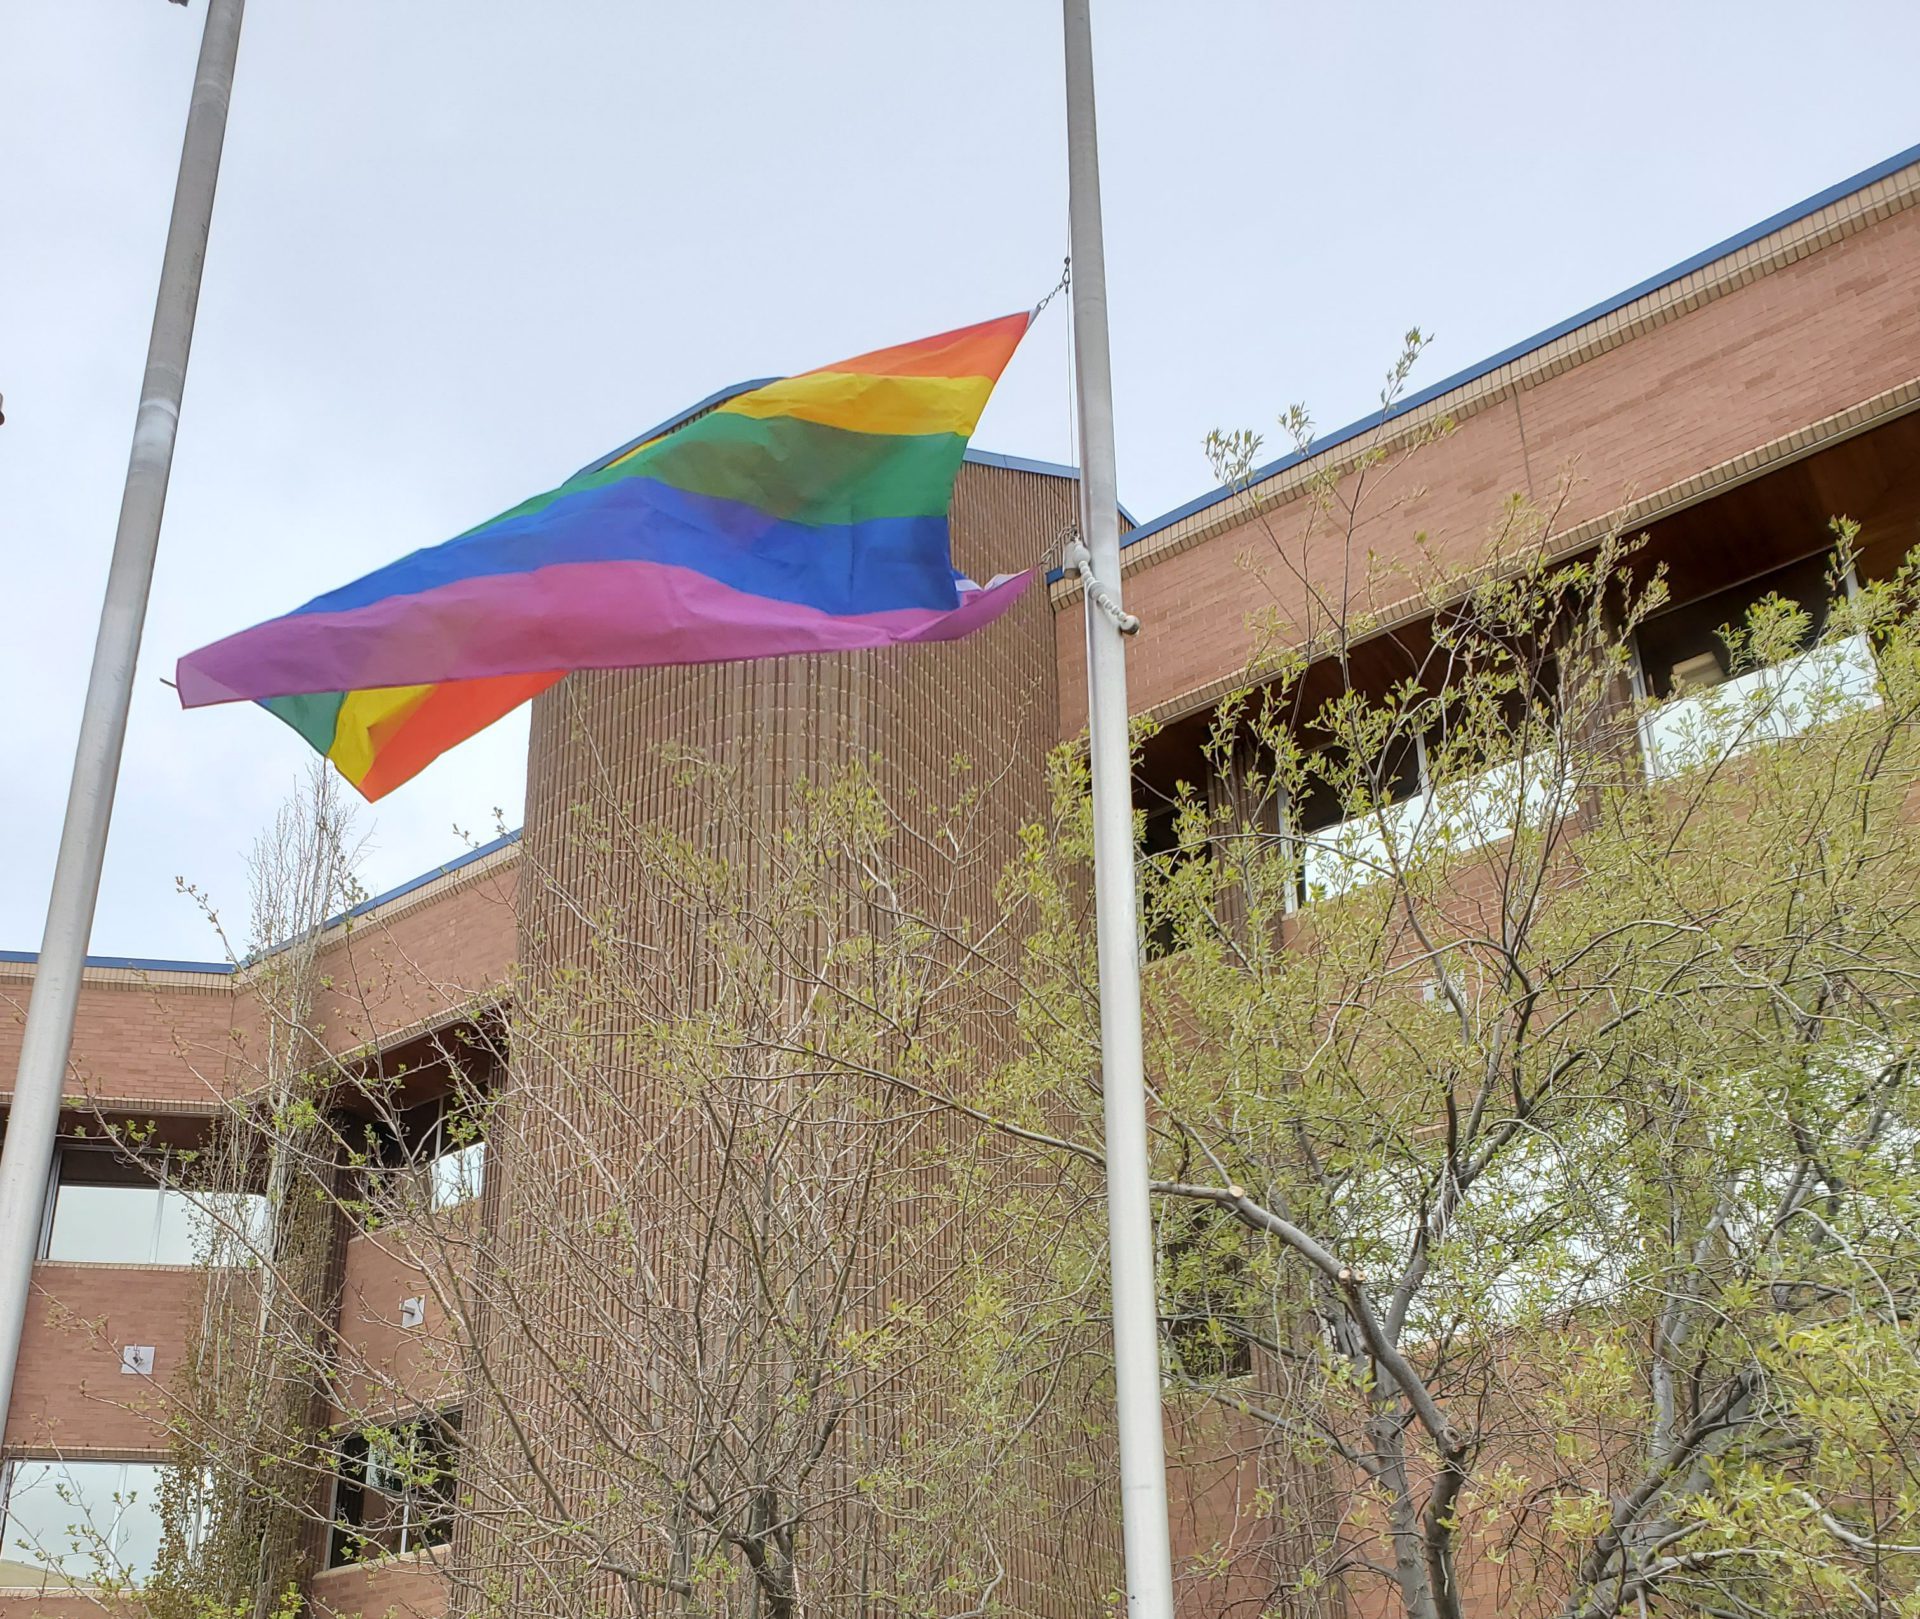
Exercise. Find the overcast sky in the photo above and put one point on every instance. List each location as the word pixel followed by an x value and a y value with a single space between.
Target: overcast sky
pixel 464 246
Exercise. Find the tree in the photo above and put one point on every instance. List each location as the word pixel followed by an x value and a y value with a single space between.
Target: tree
pixel 718 1309
pixel 244 1416
pixel 1557 1126
pixel 248 1413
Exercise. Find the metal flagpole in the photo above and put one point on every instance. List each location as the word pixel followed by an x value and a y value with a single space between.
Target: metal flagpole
pixel 1136 1324
pixel 27 1157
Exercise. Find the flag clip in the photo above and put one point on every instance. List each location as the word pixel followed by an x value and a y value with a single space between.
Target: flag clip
pixel 1080 559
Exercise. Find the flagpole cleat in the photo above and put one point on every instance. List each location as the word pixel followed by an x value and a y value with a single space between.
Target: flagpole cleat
pixel 1080 559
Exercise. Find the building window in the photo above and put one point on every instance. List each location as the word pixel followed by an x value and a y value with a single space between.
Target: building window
pixel 112 1210
pixel 1339 851
pixel 457 1162
pixel 82 1522
pixel 1162 859
pixel 1422 813
pixel 432 1156
pixel 1176 859
pixel 393 1491
pixel 1712 705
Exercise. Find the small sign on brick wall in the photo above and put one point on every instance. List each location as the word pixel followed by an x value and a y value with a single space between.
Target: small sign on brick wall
pixel 136 1360
pixel 412 1312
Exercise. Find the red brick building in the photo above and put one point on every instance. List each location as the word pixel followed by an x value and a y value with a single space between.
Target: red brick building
pixel 1728 406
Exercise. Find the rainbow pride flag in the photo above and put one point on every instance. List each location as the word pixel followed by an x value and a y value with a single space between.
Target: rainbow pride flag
pixel 807 515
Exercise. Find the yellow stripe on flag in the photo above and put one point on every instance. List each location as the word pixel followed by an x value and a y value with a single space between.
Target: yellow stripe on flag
pixel 863 403
pixel 365 720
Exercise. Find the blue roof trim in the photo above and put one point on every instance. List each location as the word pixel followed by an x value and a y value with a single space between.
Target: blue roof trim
pixel 365 907
pixel 1607 306
pixel 138 964
pixel 1026 463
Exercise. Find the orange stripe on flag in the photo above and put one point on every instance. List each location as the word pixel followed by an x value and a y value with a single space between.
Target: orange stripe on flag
pixel 972 351
pixel 451 713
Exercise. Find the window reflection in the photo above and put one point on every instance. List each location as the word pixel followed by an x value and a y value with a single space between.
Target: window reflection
pixel 1421 820
pixel 104 1224
pixel 1706 723
pixel 83 1521
pixel 433 1154
pixel 457 1175
pixel 1711 707
pixel 110 1211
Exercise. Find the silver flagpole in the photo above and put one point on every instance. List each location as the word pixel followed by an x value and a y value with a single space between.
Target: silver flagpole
pixel 1136 1324
pixel 32 1125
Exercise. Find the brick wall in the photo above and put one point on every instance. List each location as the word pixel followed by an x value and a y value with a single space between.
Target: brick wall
pixel 605 741
pixel 408 1586
pixel 1696 377
pixel 34 1602
pixel 152 1039
pixel 69 1394
pixel 412 964
pixel 388 1364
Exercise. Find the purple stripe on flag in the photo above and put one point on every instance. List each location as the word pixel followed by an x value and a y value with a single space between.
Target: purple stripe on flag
pixel 590 615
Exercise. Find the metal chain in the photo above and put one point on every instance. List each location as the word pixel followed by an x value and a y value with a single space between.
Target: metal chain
pixel 1065 281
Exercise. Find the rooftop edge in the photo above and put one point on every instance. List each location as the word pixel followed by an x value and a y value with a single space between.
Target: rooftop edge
pixel 1514 351
pixel 138 964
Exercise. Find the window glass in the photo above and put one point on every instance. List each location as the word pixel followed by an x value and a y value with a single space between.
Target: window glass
pixel 1160 851
pixel 83 1520
pixel 1710 710
pixel 393 1491
pixel 1484 808
pixel 1204 1285
pixel 457 1175
pixel 196 1227
pixel 109 1211
pixel 1320 807
pixel 104 1224
pixel 1342 849
pixel 1349 854
pixel 1681 650
pixel 434 1153
pixel 183 1234
pixel 1422 821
